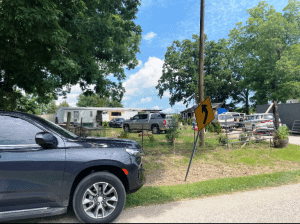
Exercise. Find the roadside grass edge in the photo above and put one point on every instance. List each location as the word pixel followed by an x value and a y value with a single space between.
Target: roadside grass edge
pixel 164 194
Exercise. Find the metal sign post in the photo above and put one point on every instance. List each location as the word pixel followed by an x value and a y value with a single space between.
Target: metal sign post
pixel 204 115
pixel 192 155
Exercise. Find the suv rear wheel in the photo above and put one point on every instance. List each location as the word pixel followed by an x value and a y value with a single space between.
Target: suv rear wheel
pixel 155 130
pixel 99 198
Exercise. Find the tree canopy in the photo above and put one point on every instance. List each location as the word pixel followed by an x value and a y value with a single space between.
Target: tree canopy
pixel 181 71
pixel 50 44
pixel 268 45
pixel 95 100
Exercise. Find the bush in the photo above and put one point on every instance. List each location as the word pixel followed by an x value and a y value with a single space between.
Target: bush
pixel 210 127
pixel 172 132
pixel 124 134
pixel 244 137
pixel 151 137
pixel 282 132
pixel 189 120
pixel 218 127
pixel 222 139
pixel 105 123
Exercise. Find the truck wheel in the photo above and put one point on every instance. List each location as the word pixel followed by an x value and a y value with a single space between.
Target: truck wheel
pixel 155 130
pixel 99 198
pixel 126 128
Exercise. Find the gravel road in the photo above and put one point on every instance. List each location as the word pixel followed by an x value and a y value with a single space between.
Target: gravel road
pixel 278 204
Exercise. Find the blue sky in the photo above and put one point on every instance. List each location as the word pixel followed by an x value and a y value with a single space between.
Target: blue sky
pixel 162 22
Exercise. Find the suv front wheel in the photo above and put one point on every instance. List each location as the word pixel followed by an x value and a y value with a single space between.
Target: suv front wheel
pixel 126 128
pixel 99 198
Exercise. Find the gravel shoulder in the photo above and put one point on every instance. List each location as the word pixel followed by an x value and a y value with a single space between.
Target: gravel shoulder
pixel 278 204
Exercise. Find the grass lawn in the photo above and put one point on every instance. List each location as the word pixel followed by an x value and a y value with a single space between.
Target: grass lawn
pixel 215 169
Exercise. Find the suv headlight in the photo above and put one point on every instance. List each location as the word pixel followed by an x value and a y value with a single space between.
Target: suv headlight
pixel 134 152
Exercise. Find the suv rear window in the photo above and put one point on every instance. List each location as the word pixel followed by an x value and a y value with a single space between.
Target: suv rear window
pixel 155 116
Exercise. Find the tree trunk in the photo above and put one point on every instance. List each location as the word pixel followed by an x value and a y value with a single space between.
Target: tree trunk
pixel 247 102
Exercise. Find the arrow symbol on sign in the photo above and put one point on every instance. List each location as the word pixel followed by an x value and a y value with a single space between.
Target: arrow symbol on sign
pixel 204 109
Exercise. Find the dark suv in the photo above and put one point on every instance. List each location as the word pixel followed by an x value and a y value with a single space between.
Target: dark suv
pixel 45 168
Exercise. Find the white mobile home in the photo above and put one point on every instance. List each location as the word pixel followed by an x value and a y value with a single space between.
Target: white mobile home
pixel 94 115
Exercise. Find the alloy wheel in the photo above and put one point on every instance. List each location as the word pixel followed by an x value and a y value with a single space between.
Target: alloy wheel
pixel 100 200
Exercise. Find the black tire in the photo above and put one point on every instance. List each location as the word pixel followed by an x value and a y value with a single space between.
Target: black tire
pixel 126 128
pixel 155 129
pixel 114 193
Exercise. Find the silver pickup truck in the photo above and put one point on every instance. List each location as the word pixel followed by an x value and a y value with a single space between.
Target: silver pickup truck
pixel 155 122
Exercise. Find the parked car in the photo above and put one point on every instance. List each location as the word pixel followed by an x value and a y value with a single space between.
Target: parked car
pixel 262 122
pixel 45 168
pixel 116 123
pixel 225 120
pixel 238 118
pixel 155 122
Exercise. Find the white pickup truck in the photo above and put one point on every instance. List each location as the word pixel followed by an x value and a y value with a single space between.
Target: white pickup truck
pixel 155 122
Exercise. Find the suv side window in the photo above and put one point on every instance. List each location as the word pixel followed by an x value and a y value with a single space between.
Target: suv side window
pixel 143 116
pixel 15 131
pixel 136 117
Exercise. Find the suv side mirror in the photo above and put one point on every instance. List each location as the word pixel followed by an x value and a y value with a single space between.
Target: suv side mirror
pixel 46 140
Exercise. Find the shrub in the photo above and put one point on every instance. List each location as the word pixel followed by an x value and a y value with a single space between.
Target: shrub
pixel 210 127
pixel 280 138
pixel 218 127
pixel 151 137
pixel 105 123
pixel 124 134
pixel 222 139
pixel 172 132
pixel 282 132
pixel 244 136
pixel 189 120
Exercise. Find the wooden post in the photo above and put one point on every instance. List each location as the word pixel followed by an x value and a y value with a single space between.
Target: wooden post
pixel 201 65
pixel 81 128
pixel 275 115
pixel 68 120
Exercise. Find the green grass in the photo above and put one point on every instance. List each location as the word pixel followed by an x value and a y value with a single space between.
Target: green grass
pixel 158 195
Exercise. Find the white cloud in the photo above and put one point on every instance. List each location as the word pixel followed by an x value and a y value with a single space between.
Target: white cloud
pixel 168 110
pixel 139 64
pixel 156 107
pixel 166 94
pixel 179 103
pixel 146 100
pixel 146 78
pixel 150 36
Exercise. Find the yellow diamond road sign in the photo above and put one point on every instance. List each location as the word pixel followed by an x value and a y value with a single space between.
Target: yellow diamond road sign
pixel 204 114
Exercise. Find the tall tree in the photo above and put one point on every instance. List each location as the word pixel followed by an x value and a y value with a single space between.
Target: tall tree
pixel 50 44
pixel 95 100
pixel 180 71
pixel 269 46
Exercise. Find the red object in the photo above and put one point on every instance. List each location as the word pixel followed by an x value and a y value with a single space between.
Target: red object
pixel 165 122
pixel 196 128
pixel 125 171
pixel 174 139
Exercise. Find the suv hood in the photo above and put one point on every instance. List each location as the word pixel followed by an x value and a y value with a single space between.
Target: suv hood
pixel 110 143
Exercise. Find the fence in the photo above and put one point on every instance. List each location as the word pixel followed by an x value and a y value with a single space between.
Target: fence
pixel 246 136
pixel 83 131
pixel 296 127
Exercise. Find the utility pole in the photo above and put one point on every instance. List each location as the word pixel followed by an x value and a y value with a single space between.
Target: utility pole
pixel 201 64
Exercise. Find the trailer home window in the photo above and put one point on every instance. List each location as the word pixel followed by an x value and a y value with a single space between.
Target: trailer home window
pixel 91 113
pixel 76 114
pixel 115 114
